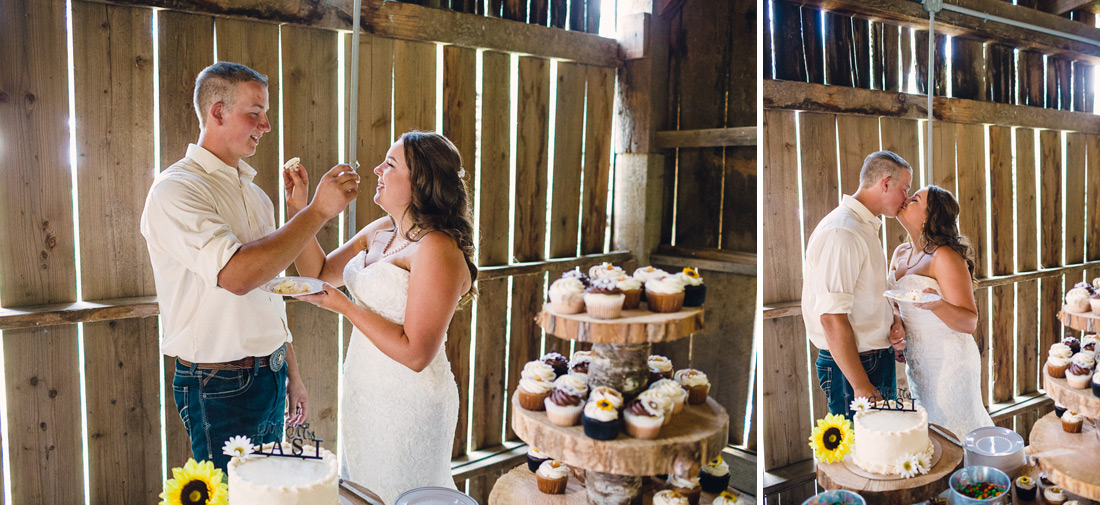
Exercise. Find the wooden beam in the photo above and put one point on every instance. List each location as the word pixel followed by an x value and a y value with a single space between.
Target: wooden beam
pixel 1059 7
pixel 734 262
pixel 845 100
pixel 499 272
pixel 908 13
pixel 711 137
pixel 782 309
pixel 407 21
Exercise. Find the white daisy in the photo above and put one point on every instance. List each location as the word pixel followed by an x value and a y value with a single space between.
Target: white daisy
pixel 907 466
pixel 860 405
pixel 238 446
pixel 924 463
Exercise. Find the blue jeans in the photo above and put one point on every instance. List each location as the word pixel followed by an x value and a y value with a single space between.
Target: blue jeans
pixel 879 366
pixel 218 404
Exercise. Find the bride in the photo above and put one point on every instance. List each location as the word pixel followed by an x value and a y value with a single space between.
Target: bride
pixel 944 369
pixel 407 272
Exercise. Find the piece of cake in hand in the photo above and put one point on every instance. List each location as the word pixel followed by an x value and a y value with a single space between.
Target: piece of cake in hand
pixel 567 296
pixel 696 384
pixel 669 497
pixel 557 362
pixel 603 299
pixel 1025 488
pixel 535 458
pixel 566 401
pixel 715 475
pixel 552 477
pixel 601 420
pixel 535 383
pixel 695 292
pixel 674 391
pixel 689 487
pixel 1071 422
pixel 1079 373
pixel 665 294
pixel 644 417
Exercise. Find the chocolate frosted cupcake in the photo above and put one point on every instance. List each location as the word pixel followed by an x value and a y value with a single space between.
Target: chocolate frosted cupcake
pixel 715 475
pixel 557 362
pixel 696 384
pixel 1025 488
pixel 1073 343
pixel 535 383
pixel 580 363
pixel 1079 373
pixel 566 401
pixel 1088 343
pixel 659 399
pixel 601 420
pixel 644 417
pixel 695 292
pixel 1071 422
pixel 535 458
pixel 603 299
pixel 665 294
pixel 690 488
pixel 632 290
pixel 567 296
pixel 579 275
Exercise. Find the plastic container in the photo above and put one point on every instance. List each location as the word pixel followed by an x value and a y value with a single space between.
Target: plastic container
pixel 835 497
pixel 979 475
pixel 994 446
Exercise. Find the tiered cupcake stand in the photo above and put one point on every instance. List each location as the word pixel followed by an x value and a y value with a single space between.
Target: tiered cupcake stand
pixel 1072 460
pixel 615 470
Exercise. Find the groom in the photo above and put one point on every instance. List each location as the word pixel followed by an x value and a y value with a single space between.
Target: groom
pixel 844 276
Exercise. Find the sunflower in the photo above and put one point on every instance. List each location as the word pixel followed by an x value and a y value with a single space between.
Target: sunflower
pixel 195 484
pixel 691 272
pixel 832 438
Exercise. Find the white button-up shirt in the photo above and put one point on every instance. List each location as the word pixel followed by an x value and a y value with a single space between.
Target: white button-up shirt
pixel 198 213
pixel 845 273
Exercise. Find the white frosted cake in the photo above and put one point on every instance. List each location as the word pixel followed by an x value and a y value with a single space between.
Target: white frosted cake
pixel 882 437
pixel 275 480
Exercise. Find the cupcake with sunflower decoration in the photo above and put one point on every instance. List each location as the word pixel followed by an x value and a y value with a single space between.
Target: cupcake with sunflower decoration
pixel 715 475
pixel 601 420
pixel 605 393
pixel 196 483
pixel 725 498
pixel 695 292
pixel 832 439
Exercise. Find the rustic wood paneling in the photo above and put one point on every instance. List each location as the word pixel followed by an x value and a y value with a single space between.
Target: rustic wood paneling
pixel 973 223
pixel 1050 229
pixel 414 86
pixel 968 76
pixel 374 121
pixel 840 65
pixel 901 137
pixel 186 46
pixel 1001 226
pixel 1027 248
pixel 786 21
pixel 597 158
pixel 532 141
pixel 1075 198
pixel 785 392
pixel 819 167
pixel 568 146
pixel 813 44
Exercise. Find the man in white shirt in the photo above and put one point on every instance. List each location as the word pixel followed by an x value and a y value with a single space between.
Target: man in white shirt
pixel 844 276
pixel 212 240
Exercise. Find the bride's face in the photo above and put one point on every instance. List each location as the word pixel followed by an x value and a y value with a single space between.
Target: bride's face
pixel 394 191
pixel 915 210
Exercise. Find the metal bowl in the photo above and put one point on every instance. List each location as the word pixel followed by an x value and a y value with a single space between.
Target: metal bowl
pixel 835 497
pixel 978 475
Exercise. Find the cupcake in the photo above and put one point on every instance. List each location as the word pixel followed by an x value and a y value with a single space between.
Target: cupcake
pixel 669 497
pixel 725 498
pixel 1073 343
pixel 557 362
pixel 1059 409
pixel 632 289
pixel 674 391
pixel 661 400
pixel 1071 422
pixel 1088 343
pixel 644 417
pixel 1073 502
pixel 606 393
pixel 1025 488
pixel 535 383
pixel 662 364
pixel 715 475
pixel 567 296
pixel 580 363
pixel 1056 366
pixel 696 384
pixel 1096 384
pixel 552 477
pixel 579 275
pixel 1054 495
pixel 535 458
pixel 1078 300
pixel 695 292
pixel 1061 350
pixel 665 294
pixel 566 401
pixel 1044 482
pixel 603 299
pixel 690 488
pixel 1094 302
pixel 1079 372
pixel 1096 283
pixel 600 420
pixel 605 271
pixel 645 274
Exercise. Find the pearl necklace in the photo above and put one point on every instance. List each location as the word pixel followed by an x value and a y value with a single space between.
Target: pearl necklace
pixel 386 254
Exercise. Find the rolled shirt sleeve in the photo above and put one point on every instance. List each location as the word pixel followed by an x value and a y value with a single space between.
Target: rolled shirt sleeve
pixel 835 270
pixel 187 228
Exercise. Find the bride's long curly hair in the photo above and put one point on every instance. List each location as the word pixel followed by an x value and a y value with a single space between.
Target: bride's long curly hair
pixel 941 228
pixel 439 201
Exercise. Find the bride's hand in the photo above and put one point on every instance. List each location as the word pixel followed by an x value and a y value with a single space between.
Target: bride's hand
pixel 330 298
pixel 930 305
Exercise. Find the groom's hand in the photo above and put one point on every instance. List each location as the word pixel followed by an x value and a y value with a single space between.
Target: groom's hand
pixel 297 402
pixel 336 190
pixel 897 335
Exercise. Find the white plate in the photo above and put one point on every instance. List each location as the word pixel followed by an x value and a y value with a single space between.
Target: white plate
pixel 434 496
pixel 314 285
pixel 898 295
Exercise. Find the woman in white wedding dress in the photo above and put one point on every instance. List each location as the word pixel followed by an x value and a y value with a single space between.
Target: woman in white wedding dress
pixel 944 367
pixel 407 273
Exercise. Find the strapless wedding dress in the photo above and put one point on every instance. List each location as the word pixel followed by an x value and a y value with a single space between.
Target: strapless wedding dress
pixel 943 365
pixel 397 425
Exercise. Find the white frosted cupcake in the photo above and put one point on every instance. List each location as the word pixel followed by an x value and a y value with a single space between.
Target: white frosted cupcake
pixel 535 383
pixel 580 364
pixel 605 271
pixel 725 498
pixel 552 477
pixel 644 274
pixel 690 488
pixel 1079 372
pixel 665 294
pixel 1072 421
pixel 669 497
pixel 644 417
pixel 1094 303
pixel 661 400
pixel 603 300
pixel 632 289
pixel 567 295
pixel 566 401
pixel 662 365
pixel 1077 300
pixel 674 391
pixel 696 384
pixel 606 393
pixel 1061 350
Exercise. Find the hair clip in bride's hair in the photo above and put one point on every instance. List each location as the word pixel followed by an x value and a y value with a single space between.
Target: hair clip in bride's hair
pixel 461 173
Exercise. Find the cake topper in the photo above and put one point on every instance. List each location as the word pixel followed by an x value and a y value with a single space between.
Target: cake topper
pixel 898 400
pixel 295 436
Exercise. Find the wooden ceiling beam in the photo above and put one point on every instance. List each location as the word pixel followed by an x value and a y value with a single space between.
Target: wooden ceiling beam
pixel 1060 7
pixel 669 8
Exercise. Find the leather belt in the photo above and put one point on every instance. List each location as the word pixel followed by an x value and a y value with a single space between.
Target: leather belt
pixel 275 361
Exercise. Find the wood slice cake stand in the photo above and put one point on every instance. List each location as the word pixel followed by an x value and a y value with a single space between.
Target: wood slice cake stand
pixel 914 490
pixel 521 486
pixel 634 327
pixel 1081 321
pixel 1081 401
pixel 1072 460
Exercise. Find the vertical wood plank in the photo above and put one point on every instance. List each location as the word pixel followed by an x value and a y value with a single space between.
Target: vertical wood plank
pixel 532 139
pixel 43 386
pixel 374 121
pixel 516 10
pixel 1032 81
pixel 738 205
pixel 1092 219
pixel 943 156
pixel 525 335
pixel 782 278
pixel 1027 260
pixel 311 133
pixel 597 158
pixel 813 44
pixel 921 57
pixel 1078 68
pixel 489 396
pixel 568 146
pixel 881 58
pixel 1075 198
pixel 901 137
pixel 1050 229
pixel 908 67
pixel 576 15
pixel 839 64
pixel 1063 77
pixel 186 46
pixel 458 355
pixel 819 167
pixel 540 12
pixel 768 33
pixel 790 63
pixel 414 86
pixel 1001 226
pixel 892 68
pixel 861 53
pixel 785 397
pixel 973 223
pixel 559 13
pixel 968 72
pixel 592 17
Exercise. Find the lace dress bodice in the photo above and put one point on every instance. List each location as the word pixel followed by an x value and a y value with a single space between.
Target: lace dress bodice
pixel 397 425
pixel 943 365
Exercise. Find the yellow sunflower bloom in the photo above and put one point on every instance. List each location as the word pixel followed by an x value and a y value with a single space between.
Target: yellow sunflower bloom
pixel 195 484
pixel 832 438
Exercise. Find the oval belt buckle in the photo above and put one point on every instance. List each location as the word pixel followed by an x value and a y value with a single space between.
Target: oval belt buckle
pixel 277 359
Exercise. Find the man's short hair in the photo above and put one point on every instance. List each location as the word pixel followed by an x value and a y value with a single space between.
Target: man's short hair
pixel 881 164
pixel 218 83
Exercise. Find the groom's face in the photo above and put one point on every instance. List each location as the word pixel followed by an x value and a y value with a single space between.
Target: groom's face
pixel 897 192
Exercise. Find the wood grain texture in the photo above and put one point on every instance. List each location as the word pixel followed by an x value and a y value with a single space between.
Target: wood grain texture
pixel 819 167
pixel 374 119
pixel 1077 470
pixel 39 266
pixel 1001 225
pixel 1092 194
pixel 785 397
pixel 786 21
pixel 42 378
pixel 840 64
pixel 782 278
pixel 901 137
pixel 460 110
pixel 525 336
pixel 634 327
pixel 597 158
pixel 813 33
pixel 488 374
pixel 532 152
pixel 186 46
pixel 1081 401
pixel 1032 82
pixel 913 490
pixel 1027 250
pixel 457 347
pixel 568 146
pixel 1050 234
pixel 493 222
pixel 857 137
pixel 414 80
pixel 968 77
pixel 1075 197
pixel 973 222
